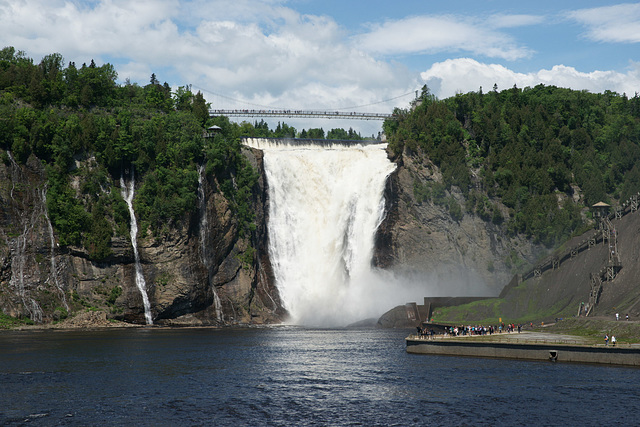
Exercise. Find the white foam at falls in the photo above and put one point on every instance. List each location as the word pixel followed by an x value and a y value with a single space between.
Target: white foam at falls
pixel 206 259
pixel 325 204
pixel 127 194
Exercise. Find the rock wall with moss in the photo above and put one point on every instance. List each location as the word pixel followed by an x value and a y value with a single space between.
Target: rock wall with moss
pixel 70 139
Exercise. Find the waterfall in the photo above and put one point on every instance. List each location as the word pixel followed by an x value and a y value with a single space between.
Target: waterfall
pixel 18 274
pixel 206 259
pixel 127 194
pixel 21 276
pixel 52 240
pixel 325 204
pixel 14 168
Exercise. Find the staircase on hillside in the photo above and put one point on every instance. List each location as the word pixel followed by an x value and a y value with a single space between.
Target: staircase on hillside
pixel 606 233
pixel 608 272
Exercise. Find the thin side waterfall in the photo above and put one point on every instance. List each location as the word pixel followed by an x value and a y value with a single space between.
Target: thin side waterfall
pixel 325 204
pixel 206 260
pixel 127 194
pixel 15 168
pixel 19 258
pixel 52 240
pixel 18 273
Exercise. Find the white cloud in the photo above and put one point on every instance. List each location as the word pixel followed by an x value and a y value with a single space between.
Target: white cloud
pixel 511 21
pixel 617 24
pixel 269 54
pixel 463 75
pixel 255 50
pixel 432 34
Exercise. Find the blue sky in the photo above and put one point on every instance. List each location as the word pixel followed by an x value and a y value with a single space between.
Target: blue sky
pixel 334 54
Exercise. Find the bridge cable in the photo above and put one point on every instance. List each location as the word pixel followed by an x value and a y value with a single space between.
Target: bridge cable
pixel 378 102
pixel 327 109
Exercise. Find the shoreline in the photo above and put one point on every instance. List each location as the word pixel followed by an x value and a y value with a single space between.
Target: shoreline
pixel 97 320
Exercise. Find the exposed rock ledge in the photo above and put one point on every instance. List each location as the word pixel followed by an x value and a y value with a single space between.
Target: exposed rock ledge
pixel 86 320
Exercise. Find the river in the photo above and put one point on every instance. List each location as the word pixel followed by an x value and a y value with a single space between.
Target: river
pixel 283 376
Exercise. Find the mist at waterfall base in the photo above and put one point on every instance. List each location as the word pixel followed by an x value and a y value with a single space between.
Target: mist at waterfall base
pixel 325 204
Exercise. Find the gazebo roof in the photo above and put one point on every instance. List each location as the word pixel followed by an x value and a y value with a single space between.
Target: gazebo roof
pixel 601 205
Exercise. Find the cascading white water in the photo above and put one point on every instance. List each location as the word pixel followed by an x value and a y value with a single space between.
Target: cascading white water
pixel 52 240
pixel 206 259
pixel 325 204
pixel 127 194
pixel 14 168
pixel 18 274
pixel 19 258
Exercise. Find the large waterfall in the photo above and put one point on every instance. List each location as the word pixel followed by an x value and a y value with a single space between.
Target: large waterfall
pixel 325 204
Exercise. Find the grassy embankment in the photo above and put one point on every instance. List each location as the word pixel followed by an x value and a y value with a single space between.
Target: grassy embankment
pixel 523 304
pixel 486 312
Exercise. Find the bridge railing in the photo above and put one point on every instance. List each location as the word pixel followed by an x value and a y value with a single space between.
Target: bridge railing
pixel 302 113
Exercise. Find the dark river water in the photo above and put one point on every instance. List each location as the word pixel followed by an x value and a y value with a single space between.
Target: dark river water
pixel 287 376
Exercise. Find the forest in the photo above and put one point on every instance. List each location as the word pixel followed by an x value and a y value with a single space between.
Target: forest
pixel 530 160
pixel 83 126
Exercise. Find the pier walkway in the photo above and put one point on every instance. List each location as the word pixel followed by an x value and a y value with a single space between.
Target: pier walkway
pixel 524 337
pixel 535 346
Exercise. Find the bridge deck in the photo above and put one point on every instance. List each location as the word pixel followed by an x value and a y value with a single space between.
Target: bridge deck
pixel 302 114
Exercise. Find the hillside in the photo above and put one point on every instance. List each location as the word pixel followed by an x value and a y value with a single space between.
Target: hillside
pixel 529 160
pixel 563 291
pixel 490 185
pixel 71 140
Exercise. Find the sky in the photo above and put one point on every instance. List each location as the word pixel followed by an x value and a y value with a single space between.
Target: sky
pixel 351 55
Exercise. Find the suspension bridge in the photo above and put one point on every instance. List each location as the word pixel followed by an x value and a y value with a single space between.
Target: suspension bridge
pixel 240 108
pixel 302 114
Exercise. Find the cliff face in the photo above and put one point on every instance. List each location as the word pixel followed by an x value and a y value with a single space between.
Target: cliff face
pixel 200 273
pixel 421 241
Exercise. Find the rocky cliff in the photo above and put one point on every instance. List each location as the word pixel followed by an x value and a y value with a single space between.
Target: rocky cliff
pixel 424 239
pixel 451 255
pixel 199 273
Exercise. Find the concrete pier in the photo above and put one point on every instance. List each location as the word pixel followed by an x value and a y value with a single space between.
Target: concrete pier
pixel 527 346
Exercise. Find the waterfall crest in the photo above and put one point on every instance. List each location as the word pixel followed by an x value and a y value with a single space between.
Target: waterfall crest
pixel 325 204
pixel 127 194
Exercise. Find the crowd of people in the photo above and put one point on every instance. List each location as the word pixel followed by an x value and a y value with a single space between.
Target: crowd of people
pixel 471 330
